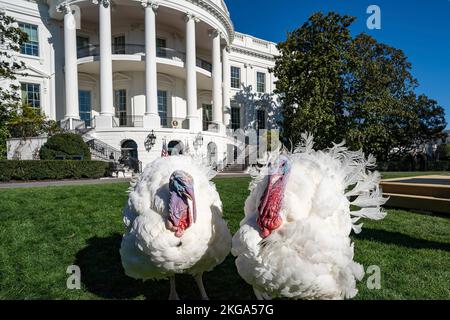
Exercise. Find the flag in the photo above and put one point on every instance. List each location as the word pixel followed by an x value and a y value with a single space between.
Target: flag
pixel 164 151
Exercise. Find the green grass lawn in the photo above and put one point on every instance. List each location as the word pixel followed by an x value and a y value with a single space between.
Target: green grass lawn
pixel 44 230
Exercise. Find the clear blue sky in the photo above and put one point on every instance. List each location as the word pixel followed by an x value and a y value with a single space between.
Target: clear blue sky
pixel 421 28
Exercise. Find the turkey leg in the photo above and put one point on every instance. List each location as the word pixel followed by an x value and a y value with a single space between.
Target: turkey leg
pixel 173 295
pixel 201 287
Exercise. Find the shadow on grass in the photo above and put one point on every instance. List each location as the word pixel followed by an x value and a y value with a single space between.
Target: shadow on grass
pixel 102 274
pixel 400 239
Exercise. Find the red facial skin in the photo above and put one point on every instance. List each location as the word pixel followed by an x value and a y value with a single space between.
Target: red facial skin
pixel 269 218
pixel 181 216
pixel 184 223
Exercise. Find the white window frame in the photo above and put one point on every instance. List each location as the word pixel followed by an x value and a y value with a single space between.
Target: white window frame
pixel 265 82
pixel 38 31
pixel 231 77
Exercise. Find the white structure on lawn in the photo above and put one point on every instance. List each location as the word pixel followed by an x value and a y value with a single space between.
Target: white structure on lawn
pixel 120 70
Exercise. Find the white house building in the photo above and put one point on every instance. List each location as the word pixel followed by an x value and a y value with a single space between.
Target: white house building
pixel 120 71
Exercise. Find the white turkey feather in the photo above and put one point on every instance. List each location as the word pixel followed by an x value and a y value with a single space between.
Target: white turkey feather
pixel 151 251
pixel 311 255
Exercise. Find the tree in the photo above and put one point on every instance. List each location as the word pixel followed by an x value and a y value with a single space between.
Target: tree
pixel 30 122
pixel 354 88
pixel 310 83
pixel 11 37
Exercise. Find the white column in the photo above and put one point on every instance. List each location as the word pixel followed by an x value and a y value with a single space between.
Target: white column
pixel 106 80
pixel 151 118
pixel 217 80
pixel 226 87
pixel 191 74
pixel 70 68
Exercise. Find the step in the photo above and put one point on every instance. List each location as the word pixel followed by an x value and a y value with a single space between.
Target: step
pixel 429 190
pixel 416 202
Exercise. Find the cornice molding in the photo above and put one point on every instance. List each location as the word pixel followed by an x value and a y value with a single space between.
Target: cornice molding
pixel 221 15
pixel 253 53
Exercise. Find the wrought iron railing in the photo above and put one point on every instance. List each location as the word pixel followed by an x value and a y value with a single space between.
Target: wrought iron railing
pixel 168 53
pixel 72 124
pixel 102 150
pixel 122 120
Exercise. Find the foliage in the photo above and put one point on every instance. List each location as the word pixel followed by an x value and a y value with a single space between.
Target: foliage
pixel 341 87
pixel 51 169
pixel 411 249
pixel 11 37
pixel 64 144
pixel 408 165
pixel 443 152
pixel 30 122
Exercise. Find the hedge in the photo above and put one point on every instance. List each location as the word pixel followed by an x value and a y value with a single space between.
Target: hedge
pixel 51 169
pixel 68 145
pixel 408 166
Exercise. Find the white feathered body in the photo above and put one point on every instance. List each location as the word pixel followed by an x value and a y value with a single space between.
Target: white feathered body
pixel 311 255
pixel 149 250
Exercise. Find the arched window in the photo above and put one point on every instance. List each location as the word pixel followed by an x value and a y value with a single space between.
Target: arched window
pixel 175 147
pixel 130 149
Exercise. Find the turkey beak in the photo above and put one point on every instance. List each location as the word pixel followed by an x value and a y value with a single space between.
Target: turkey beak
pixel 191 200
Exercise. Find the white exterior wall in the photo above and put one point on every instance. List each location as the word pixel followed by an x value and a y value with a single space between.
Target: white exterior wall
pixel 246 52
pixel 25 149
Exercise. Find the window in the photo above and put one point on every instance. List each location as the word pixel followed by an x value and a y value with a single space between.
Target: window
pixel 83 48
pixel 84 102
pixel 207 116
pixel 235 77
pixel 120 103
pixel 162 107
pixel 31 94
pixel 235 118
pixel 31 46
pixel 260 82
pixel 82 42
pixel 161 46
pixel 119 45
pixel 261 118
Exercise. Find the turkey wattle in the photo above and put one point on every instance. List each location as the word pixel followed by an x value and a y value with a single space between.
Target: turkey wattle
pixel 174 223
pixel 294 240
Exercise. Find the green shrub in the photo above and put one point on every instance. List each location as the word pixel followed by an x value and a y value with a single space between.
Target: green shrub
pixel 443 151
pixel 404 165
pixel 68 145
pixel 51 169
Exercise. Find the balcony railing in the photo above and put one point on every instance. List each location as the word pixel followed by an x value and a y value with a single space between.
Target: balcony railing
pixel 130 121
pixel 172 122
pixel 167 53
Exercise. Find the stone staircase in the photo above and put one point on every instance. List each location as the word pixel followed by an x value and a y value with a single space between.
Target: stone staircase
pixel 100 150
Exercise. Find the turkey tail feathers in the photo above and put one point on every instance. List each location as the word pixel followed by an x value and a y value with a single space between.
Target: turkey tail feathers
pixel 362 186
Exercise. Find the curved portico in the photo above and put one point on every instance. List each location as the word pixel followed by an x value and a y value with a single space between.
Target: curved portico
pixel 181 40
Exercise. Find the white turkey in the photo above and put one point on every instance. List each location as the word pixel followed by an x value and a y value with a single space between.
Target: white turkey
pixel 174 223
pixel 294 240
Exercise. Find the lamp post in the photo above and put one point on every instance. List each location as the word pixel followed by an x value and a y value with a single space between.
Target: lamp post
pixel 198 141
pixel 150 141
